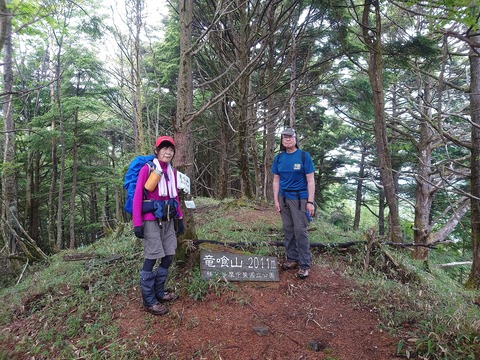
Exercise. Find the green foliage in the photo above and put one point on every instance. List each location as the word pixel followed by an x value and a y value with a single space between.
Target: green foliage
pixel 198 288
pixel 416 47
pixel 437 314
pixel 74 303
pixel 443 13
pixel 226 223
pixel 450 253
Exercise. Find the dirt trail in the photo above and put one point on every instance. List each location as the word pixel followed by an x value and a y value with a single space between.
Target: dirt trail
pixel 291 319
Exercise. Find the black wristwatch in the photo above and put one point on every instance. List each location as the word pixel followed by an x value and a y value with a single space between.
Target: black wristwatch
pixel 310 202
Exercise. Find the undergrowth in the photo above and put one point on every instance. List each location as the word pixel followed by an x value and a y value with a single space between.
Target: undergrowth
pixel 433 315
pixel 63 309
pixel 66 307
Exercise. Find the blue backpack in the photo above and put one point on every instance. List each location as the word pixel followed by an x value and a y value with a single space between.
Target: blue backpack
pixel 131 176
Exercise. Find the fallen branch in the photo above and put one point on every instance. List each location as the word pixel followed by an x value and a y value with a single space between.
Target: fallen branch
pixel 23 272
pixel 79 256
pixel 277 243
pixel 453 264
pixel 430 246
pixel 314 245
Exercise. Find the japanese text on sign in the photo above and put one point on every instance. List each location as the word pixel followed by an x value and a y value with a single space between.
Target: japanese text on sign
pixel 235 267
pixel 183 182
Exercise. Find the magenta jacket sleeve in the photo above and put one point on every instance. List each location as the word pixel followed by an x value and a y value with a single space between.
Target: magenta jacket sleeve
pixel 138 196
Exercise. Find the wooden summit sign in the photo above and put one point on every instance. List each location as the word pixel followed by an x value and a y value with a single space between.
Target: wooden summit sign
pixel 236 267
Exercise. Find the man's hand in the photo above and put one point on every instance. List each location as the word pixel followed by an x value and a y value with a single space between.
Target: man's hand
pixel 311 209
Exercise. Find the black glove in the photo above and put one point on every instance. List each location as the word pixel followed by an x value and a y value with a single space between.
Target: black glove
pixel 180 227
pixel 138 230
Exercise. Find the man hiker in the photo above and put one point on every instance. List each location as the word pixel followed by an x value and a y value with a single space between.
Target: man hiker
pixel 293 195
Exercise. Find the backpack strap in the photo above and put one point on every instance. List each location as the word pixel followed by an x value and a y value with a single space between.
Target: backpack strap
pixel 277 158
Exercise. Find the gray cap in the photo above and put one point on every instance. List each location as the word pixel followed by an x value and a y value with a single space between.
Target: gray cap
pixel 288 131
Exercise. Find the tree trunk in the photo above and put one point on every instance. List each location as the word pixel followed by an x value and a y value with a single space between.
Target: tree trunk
pixel 4 20
pixel 182 123
pixel 137 80
pixel 116 188
pixel 224 167
pixel 54 166
pixel 424 191
pixel 93 210
pixel 358 196
pixel 474 58
pixel 372 38
pixel 269 152
pixel 61 179
pixel 293 84
pixel 9 178
pixel 253 147
pixel 35 224
pixel 181 120
pixel 269 124
pixel 242 56
pixel 381 212
pixel 73 191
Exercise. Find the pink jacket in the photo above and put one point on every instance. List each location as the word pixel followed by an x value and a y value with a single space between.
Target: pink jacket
pixel 138 217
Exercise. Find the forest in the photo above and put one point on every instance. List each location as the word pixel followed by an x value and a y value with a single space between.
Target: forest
pixel 385 96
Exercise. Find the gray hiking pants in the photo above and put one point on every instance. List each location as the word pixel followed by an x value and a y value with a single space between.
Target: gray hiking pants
pixel 295 223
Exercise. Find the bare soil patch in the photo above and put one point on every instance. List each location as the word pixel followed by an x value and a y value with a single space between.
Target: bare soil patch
pixel 314 318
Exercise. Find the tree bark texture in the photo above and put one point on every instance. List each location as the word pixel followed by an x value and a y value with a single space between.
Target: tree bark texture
pixel 137 79
pixel 224 177
pixel 9 204
pixel 54 155
pixel 424 190
pixel 3 22
pixel 372 38
pixel 358 196
pixel 61 176
pixel 73 191
pixel 181 122
pixel 242 56
pixel 270 116
pixel 474 58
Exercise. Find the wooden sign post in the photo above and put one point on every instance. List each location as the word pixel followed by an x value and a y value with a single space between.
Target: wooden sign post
pixel 236 267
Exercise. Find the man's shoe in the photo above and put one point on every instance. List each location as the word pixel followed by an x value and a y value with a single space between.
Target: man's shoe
pixel 167 297
pixel 157 309
pixel 303 273
pixel 289 265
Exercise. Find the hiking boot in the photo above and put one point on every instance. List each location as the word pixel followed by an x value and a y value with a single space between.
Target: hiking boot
pixel 303 273
pixel 168 296
pixel 289 265
pixel 157 309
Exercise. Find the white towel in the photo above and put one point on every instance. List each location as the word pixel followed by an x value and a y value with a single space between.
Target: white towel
pixel 166 188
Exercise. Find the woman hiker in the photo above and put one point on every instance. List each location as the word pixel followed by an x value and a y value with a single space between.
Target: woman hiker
pixel 158 189
pixel 293 195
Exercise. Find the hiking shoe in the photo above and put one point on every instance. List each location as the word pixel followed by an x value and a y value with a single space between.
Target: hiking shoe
pixel 289 265
pixel 157 309
pixel 303 273
pixel 168 296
